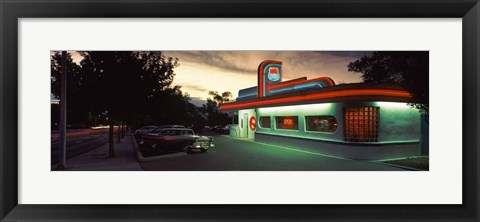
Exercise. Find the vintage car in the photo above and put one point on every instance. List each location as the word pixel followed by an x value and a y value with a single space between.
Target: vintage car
pixel 171 126
pixel 183 139
pixel 143 131
pixel 221 129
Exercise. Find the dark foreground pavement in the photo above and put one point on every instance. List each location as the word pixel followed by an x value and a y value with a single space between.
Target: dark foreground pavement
pixel 97 159
pixel 78 142
pixel 242 155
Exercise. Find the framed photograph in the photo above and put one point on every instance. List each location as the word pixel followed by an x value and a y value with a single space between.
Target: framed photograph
pixel 279 110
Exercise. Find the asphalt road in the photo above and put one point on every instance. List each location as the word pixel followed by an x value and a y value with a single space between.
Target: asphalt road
pixel 78 142
pixel 232 154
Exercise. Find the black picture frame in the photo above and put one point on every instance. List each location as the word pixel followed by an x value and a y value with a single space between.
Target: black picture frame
pixel 11 11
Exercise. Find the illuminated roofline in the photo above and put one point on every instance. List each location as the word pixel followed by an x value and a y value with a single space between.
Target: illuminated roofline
pixel 288 83
pixel 321 95
pixel 292 83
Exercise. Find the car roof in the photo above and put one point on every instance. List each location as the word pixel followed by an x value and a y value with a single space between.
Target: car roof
pixel 176 129
pixel 172 126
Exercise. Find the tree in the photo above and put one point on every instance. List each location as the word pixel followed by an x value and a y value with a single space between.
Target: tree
pixel 220 98
pixel 409 69
pixel 172 106
pixel 126 82
pixel 77 111
pixel 119 84
pixel 212 111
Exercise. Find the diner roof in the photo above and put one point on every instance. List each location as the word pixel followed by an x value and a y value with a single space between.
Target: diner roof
pixel 337 93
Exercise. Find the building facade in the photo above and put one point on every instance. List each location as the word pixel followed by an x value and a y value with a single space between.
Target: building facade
pixel 354 121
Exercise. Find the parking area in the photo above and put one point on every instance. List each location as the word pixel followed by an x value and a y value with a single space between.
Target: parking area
pixel 233 154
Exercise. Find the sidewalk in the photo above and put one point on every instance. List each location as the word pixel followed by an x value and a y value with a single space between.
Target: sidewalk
pixel 97 160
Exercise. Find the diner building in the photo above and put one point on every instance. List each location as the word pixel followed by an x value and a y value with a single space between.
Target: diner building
pixel 354 121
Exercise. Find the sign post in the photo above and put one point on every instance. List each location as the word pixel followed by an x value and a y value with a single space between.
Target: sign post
pixel 62 148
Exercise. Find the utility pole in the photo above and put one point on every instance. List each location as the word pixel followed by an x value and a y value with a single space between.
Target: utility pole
pixel 62 148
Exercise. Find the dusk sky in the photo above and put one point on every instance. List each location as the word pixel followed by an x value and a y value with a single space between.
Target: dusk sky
pixel 203 71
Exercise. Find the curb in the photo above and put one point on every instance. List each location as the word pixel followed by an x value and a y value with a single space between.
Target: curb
pixel 398 166
pixel 136 148
pixel 143 159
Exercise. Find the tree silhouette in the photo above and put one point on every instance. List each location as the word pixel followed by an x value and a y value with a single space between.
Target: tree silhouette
pixel 212 111
pixel 172 106
pixel 408 69
pixel 76 112
pixel 126 82
pixel 119 84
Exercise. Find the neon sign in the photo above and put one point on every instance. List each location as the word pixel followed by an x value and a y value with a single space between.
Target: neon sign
pixel 273 72
pixel 253 123
pixel 267 76
pixel 288 122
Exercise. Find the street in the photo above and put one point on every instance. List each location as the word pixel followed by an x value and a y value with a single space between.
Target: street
pixel 78 142
pixel 232 154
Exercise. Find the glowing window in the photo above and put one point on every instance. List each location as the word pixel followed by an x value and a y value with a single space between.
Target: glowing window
pixel 265 122
pixel 361 124
pixel 321 123
pixel 287 122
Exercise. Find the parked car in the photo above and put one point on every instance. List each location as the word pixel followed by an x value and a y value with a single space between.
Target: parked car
pixel 143 131
pixel 176 139
pixel 171 126
pixel 222 129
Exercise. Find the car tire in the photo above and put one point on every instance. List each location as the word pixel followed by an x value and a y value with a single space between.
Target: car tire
pixel 186 148
pixel 154 146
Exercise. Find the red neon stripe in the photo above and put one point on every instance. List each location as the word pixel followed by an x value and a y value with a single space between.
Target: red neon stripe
pixel 260 74
pixel 279 85
pixel 323 95
pixel 259 82
pixel 327 79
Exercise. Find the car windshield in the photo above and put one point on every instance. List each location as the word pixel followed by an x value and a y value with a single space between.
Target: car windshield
pixel 157 130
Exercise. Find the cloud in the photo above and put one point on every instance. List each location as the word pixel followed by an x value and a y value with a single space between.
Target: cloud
pixel 295 63
pixel 229 60
pixel 190 86
pixel 347 54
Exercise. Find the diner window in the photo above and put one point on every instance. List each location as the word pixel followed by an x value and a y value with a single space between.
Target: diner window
pixel 265 122
pixel 361 124
pixel 287 122
pixel 321 124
